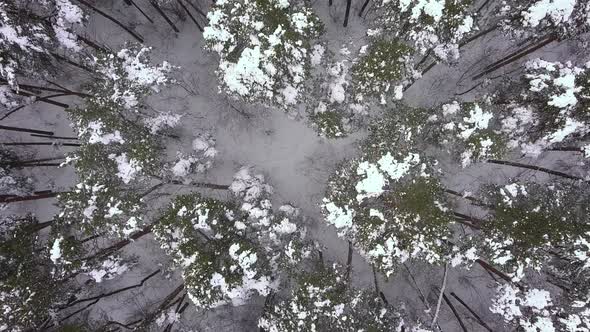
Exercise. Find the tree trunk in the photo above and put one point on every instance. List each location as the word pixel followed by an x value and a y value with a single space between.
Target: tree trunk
pixel 103 295
pixel 119 245
pixel 347 13
pixel 349 262
pixel 28 198
pixel 56 137
pixel 92 44
pixel 363 8
pixel 75 64
pixel 131 2
pixel 161 12
pixel 448 302
pixel 515 56
pixel 196 9
pixel 112 19
pixel 535 168
pixel 39 143
pixel 479 320
pixel 43 99
pixel 27 130
pixel 497 272
pixel 190 15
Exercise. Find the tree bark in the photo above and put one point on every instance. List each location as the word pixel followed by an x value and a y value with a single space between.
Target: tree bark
pixel 39 143
pixel 536 168
pixel 349 261
pixel 43 99
pixel 55 137
pixel 363 7
pixel 112 19
pixel 515 56
pixel 479 320
pixel 27 130
pixel 497 272
pixel 75 64
pixel 161 12
pixel 141 11
pixel 448 302
pixel 103 295
pixel 347 13
pixel 119 245
pixel 190 15
pixel 197 9
pixel 28 198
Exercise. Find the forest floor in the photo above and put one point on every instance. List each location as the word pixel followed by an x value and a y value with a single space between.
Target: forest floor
pixel 294 159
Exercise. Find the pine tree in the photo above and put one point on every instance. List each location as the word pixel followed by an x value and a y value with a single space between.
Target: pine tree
pixel 389 203
pixel 226 255
pixel 322 300
pixel 28 291
pixel 264 48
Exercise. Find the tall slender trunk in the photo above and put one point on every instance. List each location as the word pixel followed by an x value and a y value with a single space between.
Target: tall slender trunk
pixel 43 99
pixel 119 245
pixel 55 137
pixel 197 9
pixel 363 8
pixel 497 272
pixel 131 2
pixel 39 143
pixel 70 62
pixel 27 130
pixel 161 12
pixel 448 302
pixel 479 320
pixel 92 44
pixel 347 13
pixel 536 168
pixel 515 56
pixel 28 198
pixel 349 261
pixel 190 15
pixel 112 19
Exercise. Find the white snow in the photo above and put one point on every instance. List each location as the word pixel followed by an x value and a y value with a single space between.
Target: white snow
pixel 127 169
pixel 373 183
pixel 558 11
pixel 55 252
pixel 97 135
pixel 338 217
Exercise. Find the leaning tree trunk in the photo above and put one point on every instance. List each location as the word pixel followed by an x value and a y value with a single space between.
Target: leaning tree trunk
pixel 112 19
pixel 363 8
pixel 28 198
pixel 347 13
pixel 27 130
pixel 131 2
pixel 161 12
pixel 536 168
pixel 477 317
pixel 515 56
pixel 190 15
